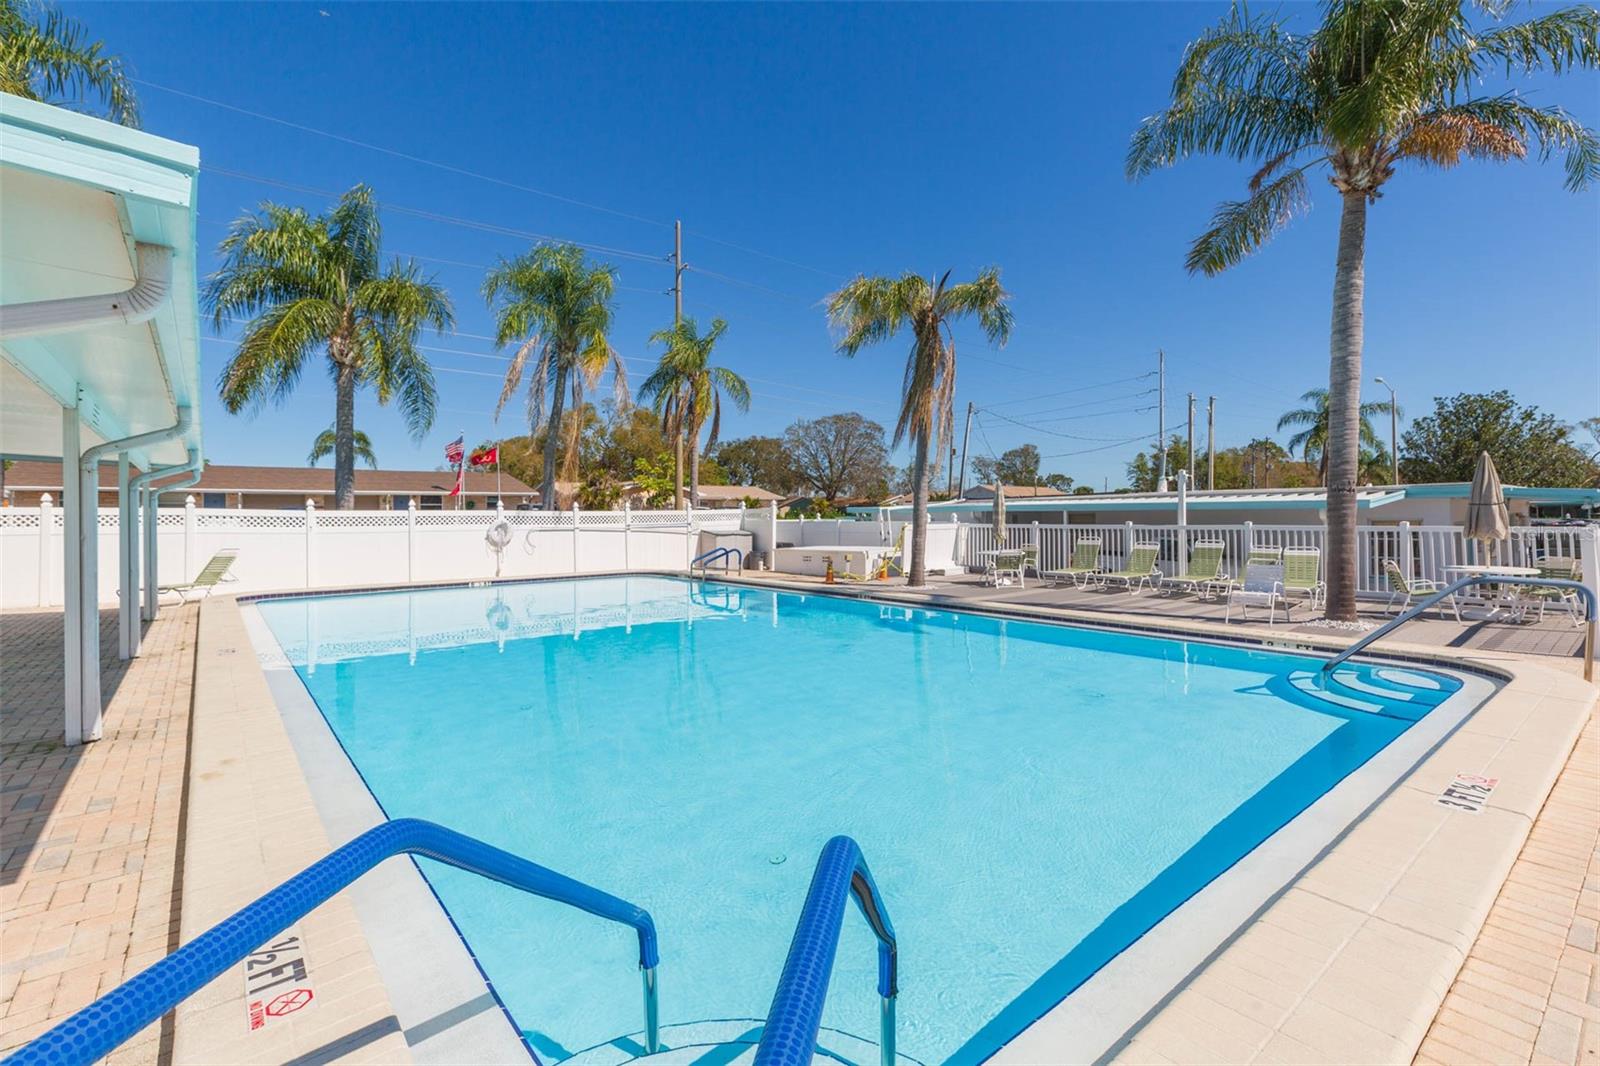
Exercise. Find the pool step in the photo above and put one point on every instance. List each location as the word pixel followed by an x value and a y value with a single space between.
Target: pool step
pixel 1372 683
pixel 1344 690
pixel 1313 686
pixel 727 1042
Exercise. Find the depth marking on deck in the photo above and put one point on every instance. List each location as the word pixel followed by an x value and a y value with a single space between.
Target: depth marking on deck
pixel 1468 792
pixel 276 981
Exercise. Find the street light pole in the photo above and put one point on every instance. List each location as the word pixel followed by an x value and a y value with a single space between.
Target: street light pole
pixel 1394 432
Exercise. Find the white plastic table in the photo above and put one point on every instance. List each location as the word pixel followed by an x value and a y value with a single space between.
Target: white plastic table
pixel 1491 570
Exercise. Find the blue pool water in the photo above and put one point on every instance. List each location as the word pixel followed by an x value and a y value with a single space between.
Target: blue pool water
pixel 1031 798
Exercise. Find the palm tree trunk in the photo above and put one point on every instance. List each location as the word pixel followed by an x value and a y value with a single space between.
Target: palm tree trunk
pixel 1342 450
pixel 919 514
pixel 552 442
pixel 694 470
pixel 344 436
pixel 677 471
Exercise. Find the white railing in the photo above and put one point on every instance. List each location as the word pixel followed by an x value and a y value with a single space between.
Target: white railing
pixel 309 548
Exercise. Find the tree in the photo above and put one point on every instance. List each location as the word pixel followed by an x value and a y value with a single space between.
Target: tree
pixel 325 443
pixel 1378 83
pixel 307 283
pixel 1144 472
pixel 1312 440
pixel 686 390
pixel 1018 466
pixel 869 310
pixel 838 455
pixel 556 306
pixel 48 57
pixel 763 461
pixel 1529 447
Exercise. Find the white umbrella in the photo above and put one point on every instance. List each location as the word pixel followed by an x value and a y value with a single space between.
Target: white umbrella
pixel 999 516
pixel 1487 518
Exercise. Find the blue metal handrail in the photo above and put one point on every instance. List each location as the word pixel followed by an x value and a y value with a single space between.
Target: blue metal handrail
pixel 790 1036
pixel 704 561
pixel 1484 579
pixel 100 1027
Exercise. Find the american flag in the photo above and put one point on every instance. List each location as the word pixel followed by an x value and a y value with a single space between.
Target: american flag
pixel 455 449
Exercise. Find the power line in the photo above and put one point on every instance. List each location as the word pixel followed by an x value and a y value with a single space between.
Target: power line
pixel 1084 403
pixel 1102 448
pixel 1041 429
pixel 1078 388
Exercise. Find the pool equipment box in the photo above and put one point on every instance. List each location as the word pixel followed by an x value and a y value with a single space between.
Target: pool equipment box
pixel 738 540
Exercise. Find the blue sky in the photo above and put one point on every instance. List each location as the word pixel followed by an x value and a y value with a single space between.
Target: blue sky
pixel 800 144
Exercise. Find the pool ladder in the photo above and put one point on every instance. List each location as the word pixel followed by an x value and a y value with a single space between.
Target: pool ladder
pixel 788 1039
pixel 721 555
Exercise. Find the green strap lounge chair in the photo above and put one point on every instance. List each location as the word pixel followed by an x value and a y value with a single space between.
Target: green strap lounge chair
pixel 209 577
pixel 1302 575
pixel 1404 589
pixel 1013 563
pixel 1269 555
pixel 1204 576
pixel 1140 571
pixel 1557 566
pixel 1084 566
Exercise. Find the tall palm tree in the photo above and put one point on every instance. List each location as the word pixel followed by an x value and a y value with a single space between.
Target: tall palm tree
pixel 49 57
pixel 869 310
pixel 1376 84
pixel 327 441
pixel 685 390
pixel 1312 421
pixel 318 282
pixel 557 306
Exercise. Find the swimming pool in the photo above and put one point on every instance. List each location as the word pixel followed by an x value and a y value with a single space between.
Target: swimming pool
pixel 1032 798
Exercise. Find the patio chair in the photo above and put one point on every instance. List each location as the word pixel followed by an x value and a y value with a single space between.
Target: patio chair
pixel 1302 575
pixel 1084 566
pixel 1262 587
pixel 1556 566
pixel 1013 563
pixel 1205 576
pixel 210 576
pixel 1140 570
pixel 1405 589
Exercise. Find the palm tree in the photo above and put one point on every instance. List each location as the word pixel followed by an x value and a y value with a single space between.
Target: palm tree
pixel 316 282
pixel 685 390
pixel 868 310
pixel 1312 421
pixel 49 58
pixel 558 306
pixel 1376 84
pixel 326 441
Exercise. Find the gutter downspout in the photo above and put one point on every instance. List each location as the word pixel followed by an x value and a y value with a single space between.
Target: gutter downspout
pixel 88 563
pixel 128 307
pixel 147 499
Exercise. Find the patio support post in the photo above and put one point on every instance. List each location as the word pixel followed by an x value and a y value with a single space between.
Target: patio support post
pixel 72 573
pixel 150 511
pixel 127 561
pixel 89 599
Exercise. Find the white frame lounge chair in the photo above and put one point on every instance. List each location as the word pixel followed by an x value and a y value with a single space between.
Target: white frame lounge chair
pixel 1206 580
pixel 1556 566
pixel 210 576
pixel 1084 566
pixel 1136 574
pixel 1262 587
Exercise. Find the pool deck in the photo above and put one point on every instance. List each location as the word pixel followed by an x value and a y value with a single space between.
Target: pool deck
pixel 1490 958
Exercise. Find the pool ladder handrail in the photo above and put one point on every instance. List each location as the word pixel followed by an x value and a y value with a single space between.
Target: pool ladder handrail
pixel 1483 579
pixel 790 1035
pixel 97 1029
pixel 704 560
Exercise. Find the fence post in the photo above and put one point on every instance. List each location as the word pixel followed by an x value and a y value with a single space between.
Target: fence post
pixel 574 536
pixel 411 538
pixel 1403 550
pixel 1127 544
pixel 1038 549
pixel 311 543
pixel 47 536
pixel 1249 543
pixel 188 537
pixel 627 533
pixel 1589 558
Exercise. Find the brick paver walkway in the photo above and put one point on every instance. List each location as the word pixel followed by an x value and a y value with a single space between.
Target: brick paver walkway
pixel 1529 991
pixel 88 835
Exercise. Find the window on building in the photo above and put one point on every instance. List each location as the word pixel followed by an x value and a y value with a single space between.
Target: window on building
pixel 214 499
pixel 432 503
pixel 401 503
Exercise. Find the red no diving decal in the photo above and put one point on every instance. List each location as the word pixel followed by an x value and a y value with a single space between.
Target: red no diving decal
pixel 276 981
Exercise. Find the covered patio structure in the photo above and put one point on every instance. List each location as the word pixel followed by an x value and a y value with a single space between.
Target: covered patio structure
pixel 99 350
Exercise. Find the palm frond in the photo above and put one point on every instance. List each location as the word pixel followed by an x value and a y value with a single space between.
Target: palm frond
pixel 272 353
pixel 1239 227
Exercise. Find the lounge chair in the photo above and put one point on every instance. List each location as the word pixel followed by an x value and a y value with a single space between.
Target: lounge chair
pixel 210 575
pixel 1084 566
pixel 1013 563
pixel 1205 576
pixel 1302 575
pixel 1404 588
pixel 1556 566
pixel 1140 570
pixel 1270 555
pixel 1262 587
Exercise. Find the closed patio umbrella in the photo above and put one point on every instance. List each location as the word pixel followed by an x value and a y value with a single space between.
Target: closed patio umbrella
pixel 1487 518
pixel 999 516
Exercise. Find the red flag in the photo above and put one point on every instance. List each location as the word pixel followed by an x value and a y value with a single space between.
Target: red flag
pixel 485 456
pixel 461 481
pixel 453 451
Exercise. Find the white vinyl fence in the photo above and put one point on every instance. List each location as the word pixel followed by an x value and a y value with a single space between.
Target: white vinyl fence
pixel 299 549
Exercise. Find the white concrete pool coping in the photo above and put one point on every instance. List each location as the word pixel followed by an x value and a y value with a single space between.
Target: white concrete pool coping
pixel 1332 941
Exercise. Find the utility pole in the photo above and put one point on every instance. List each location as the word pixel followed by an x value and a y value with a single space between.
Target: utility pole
pixel 677 316
pixel 950 470
pixel 1191 438
pixel 1211 443
pixel 1394 432
pixel 1161 417
pixel 961 484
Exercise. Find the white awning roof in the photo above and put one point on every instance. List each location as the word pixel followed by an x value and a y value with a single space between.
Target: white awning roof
pixel 76 195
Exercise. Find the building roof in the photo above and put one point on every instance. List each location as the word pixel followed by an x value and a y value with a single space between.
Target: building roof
pixel 78 196
pixel 736 492
pixel 297 480
pixel 1015 492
